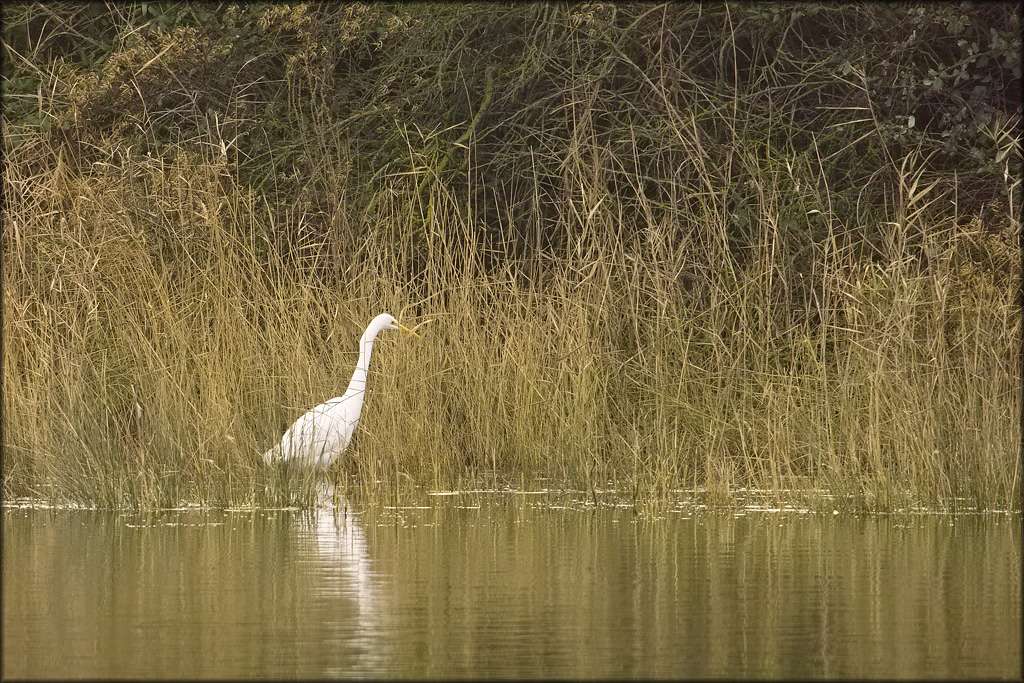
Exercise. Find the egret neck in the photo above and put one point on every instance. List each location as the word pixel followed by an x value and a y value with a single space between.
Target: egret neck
pixel 357 386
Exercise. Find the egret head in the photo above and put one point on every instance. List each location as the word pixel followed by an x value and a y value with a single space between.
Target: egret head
pixel 386 321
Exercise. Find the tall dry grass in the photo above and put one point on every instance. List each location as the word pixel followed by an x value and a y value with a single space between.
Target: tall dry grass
pixel 157 338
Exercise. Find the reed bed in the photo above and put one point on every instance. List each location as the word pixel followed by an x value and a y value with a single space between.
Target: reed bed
pixel 155 343
pixel 664 247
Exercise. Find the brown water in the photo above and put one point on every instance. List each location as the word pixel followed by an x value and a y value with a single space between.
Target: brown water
pixel 513 587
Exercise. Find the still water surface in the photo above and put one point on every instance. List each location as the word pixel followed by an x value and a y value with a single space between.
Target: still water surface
pixel 508 586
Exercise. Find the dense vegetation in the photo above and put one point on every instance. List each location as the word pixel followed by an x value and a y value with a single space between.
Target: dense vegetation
pixel 681 245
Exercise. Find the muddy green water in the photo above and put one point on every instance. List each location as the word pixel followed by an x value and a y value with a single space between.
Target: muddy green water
pixel 509 586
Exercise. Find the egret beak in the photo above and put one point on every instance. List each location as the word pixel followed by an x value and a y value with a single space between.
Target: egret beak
pixel 406 330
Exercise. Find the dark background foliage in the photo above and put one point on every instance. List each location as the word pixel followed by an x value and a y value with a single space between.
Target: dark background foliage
pixel 493 99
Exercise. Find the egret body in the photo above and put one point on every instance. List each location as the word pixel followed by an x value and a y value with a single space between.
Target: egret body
pixel 322 433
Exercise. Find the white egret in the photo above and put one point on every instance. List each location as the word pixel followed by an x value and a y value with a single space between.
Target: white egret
pixel 322 433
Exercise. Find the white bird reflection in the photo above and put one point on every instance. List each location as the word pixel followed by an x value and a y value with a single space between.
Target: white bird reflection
pixel 349 590
pixel 341 544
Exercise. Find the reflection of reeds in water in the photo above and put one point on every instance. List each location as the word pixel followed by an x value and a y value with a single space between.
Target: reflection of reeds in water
pixel 509 590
